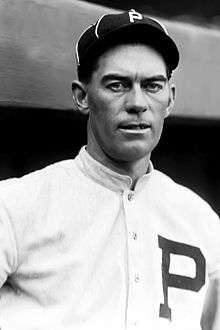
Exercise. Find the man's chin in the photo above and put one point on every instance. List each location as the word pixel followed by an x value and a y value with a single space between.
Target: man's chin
pixel 129 154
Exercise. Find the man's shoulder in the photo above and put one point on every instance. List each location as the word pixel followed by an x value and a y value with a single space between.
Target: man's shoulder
pixel 177 193
pixel 191 212
pixel 30 184
pixel 170 185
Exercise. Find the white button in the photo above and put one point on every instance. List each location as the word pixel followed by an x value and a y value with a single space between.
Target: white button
pixel 134 235
pixel 137 278
pixel 130 196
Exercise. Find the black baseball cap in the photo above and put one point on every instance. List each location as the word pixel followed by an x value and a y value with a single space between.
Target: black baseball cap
pixel 111 29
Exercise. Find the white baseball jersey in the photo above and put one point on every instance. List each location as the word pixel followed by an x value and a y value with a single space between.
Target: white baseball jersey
pixel 80 250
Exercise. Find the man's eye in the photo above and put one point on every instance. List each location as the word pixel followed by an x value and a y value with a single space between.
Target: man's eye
pixel 154 87
pixel 116 86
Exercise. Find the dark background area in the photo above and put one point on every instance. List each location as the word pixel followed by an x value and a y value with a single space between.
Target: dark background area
pixel 33 138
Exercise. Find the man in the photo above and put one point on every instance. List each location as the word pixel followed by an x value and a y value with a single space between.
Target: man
pixel 105 241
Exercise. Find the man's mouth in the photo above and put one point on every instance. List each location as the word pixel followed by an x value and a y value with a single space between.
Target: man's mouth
pixel 134 126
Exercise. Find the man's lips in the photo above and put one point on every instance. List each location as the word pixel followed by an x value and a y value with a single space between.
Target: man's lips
pixel 134 126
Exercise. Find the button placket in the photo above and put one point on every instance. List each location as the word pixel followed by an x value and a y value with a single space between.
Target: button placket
pixel 135 286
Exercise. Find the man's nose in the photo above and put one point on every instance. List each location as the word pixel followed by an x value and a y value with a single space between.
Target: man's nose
pixel 136 100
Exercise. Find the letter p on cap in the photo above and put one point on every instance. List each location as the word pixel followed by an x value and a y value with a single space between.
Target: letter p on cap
pixel 134 15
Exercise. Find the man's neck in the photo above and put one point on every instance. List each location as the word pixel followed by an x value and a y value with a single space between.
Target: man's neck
pixel 133 169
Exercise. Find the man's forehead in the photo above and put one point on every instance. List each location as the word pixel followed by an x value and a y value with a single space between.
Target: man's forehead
pixel 135 59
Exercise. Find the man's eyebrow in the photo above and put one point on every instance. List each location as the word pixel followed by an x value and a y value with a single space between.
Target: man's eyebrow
pixel 157 77
pixel 112 76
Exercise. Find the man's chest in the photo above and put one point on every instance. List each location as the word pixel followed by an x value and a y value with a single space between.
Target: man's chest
pixel 117 261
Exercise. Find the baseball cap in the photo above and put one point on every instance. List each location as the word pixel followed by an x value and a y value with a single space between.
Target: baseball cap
pixel 111 29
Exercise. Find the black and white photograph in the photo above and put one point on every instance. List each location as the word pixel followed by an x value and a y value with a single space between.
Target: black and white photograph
pixel 109 165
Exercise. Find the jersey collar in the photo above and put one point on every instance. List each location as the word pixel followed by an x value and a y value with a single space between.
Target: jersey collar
pixel 105 176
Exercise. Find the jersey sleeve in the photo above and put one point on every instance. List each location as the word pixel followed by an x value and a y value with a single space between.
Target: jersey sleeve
pixel 8 251
pixel 212 242
pixel 20 198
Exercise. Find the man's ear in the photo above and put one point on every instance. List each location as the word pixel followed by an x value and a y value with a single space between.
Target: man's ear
pixel 171 100
pixel 80 97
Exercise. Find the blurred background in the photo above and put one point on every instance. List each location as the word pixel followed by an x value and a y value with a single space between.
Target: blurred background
pixel 38 125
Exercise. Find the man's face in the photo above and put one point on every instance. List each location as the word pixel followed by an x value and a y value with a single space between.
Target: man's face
pixel 128 98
